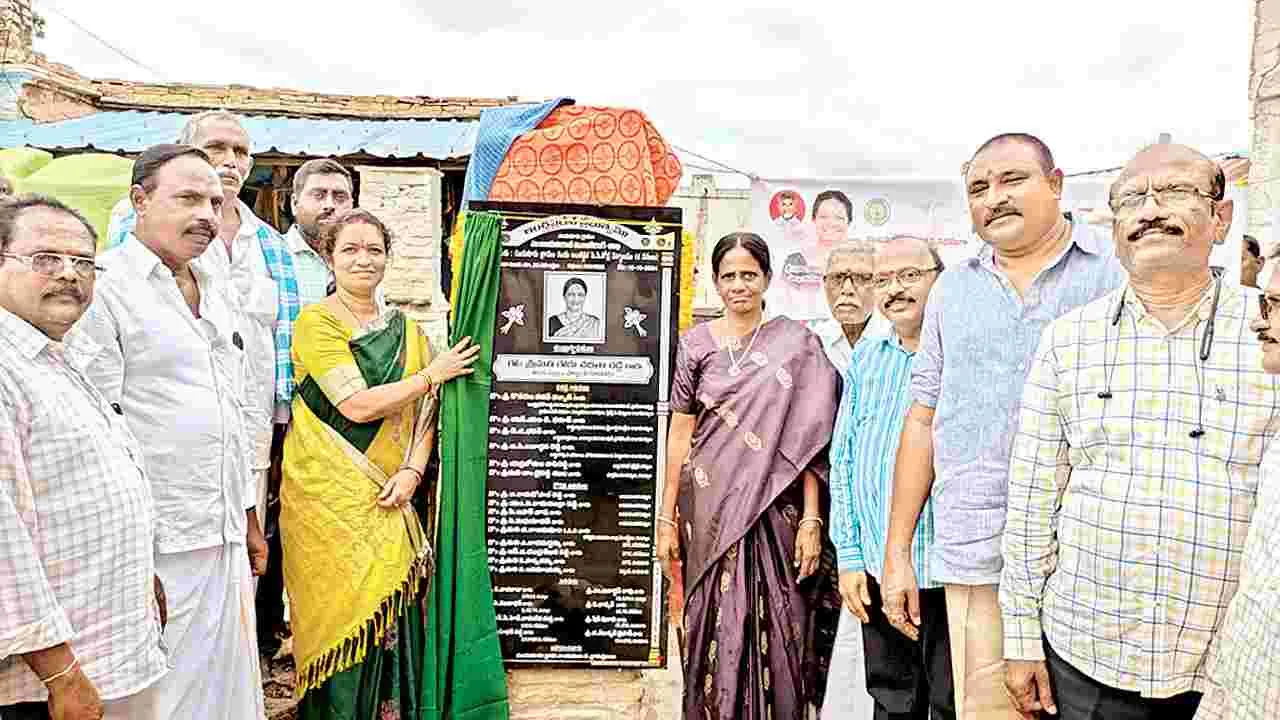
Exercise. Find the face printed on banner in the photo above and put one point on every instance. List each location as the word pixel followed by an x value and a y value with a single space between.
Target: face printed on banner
pixel 905 271
pixel 1013 203
pixel 741 281
pixel 1166 217
pixel 787 204
pixel 832 221
pixel 848 287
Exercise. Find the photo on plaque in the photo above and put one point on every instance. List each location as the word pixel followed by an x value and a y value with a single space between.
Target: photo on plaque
pixel 576 307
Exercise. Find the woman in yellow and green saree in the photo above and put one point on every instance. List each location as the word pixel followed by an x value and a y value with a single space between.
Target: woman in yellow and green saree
pixel 356 556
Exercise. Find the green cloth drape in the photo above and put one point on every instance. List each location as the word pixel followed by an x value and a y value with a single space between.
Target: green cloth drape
pixel 463 653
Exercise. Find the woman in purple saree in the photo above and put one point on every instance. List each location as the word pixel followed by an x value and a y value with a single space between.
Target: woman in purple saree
pixel 753 407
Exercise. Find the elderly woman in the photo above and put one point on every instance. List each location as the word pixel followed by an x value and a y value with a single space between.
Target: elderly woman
pixel 355 554
pixel 574 322
pixel 753 406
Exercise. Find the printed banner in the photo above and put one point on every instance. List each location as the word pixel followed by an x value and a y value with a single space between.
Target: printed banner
pixel 584 344
pixel 802 219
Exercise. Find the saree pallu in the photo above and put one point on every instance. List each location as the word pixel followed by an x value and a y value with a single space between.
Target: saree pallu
pixel 758 641
pixel 354 571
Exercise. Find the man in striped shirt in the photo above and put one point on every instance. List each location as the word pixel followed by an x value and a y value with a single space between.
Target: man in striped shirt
pixel 907 677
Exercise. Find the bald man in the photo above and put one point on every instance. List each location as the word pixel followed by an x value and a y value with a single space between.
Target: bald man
pixel 1135 465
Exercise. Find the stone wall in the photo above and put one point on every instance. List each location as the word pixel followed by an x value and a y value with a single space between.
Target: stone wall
pixel 408 201
pixel 597 694
pixel 1264 103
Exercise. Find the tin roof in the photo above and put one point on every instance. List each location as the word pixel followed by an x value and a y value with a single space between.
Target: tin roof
pixel 131 131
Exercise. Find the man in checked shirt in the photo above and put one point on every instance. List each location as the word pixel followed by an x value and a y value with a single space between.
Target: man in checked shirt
pixel 80 606
pixel 1133 473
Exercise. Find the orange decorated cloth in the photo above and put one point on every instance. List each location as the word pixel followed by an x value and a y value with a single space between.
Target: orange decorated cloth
pixel 589 156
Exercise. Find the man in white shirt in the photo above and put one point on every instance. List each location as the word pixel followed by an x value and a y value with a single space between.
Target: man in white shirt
pixel 80 606
pixel 847 284
pixel 171 357
pixel 252 264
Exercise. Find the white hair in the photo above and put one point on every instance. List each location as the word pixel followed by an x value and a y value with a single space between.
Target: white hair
pixel 856 248
pixel 192 129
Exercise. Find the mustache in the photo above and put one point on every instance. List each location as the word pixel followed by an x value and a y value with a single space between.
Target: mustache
pixel 1157 224
pixel 231 173
pixel 896 297
pixel 1001 211
pixel 70 290
pixel 203 227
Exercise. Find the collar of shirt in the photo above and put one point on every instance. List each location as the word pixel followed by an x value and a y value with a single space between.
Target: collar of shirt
pixel 894 341
pixel 297 243
pixel 22 335
pixel 143 261
pixel 1201 311
pixel 1083 236
pixel 249 222
pixel 831 332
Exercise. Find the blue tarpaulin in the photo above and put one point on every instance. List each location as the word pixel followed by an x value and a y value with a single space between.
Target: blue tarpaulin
pixel 133 131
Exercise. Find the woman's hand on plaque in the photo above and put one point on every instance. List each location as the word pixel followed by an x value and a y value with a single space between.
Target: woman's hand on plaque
pixel 399 489
pixel 455 361
pixel 808 549
pixel 668 549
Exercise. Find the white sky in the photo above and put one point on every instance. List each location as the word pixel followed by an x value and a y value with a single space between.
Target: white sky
pixel 888 87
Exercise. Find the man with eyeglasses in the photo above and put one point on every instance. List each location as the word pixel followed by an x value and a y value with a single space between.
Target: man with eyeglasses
pixel 981 328
pixel 82 607
pixel 170 355
pixel 847 284
pixel 1244 674
pixel 909 678
pixel 1137 458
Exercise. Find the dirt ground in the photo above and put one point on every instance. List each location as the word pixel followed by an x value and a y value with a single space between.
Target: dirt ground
pixel 277 685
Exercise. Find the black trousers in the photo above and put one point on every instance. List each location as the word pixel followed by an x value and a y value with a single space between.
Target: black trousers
pixel 25 711
pixel 1080 697
pixel 269 600
pixel 909 680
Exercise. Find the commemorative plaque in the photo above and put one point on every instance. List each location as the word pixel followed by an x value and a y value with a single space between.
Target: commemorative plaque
pixel 583 350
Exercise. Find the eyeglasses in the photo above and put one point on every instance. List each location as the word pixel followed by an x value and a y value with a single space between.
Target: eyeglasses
pixel 52 264
pixel 1267 305
pixel 1167 197
pixel 906 276
pixel 836 281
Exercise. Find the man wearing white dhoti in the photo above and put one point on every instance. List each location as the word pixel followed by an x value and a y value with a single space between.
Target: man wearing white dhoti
pixel 171 358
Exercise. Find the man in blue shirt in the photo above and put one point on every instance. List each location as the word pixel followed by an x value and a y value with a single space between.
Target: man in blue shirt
pixel 907 677
pixel 980 334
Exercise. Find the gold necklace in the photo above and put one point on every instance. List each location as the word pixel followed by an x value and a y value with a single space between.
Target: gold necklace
pixel 359 323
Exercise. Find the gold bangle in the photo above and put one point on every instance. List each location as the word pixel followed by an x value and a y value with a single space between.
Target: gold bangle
pixel 668 521
pixel 67 671
pixel 809 519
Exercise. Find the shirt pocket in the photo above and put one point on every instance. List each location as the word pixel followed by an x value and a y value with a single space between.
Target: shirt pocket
pixel 262 303
pixel 1238 413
